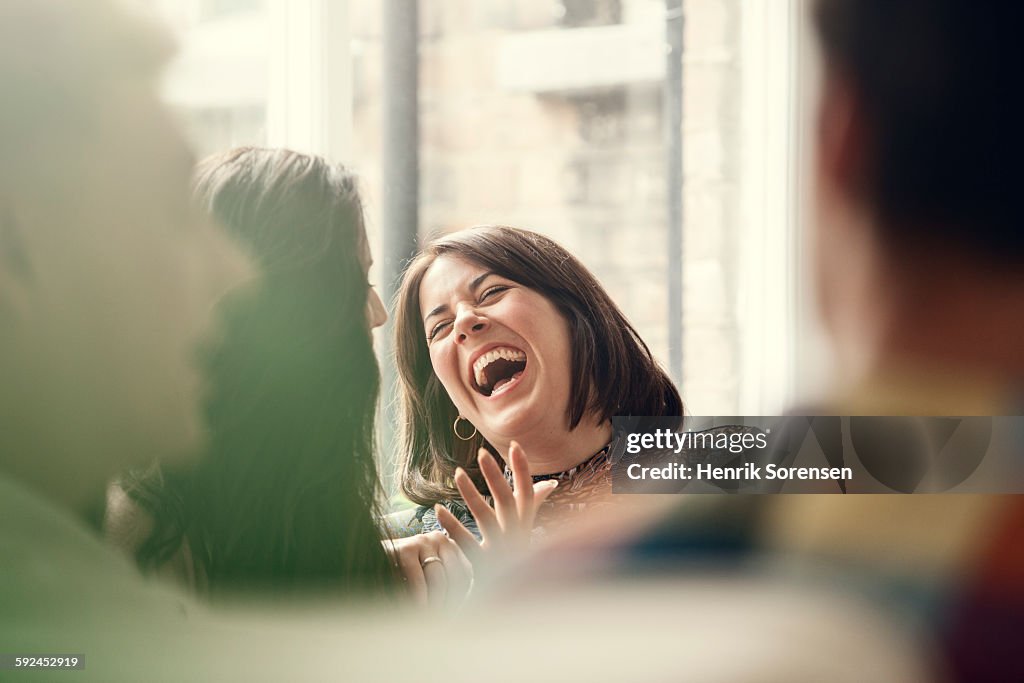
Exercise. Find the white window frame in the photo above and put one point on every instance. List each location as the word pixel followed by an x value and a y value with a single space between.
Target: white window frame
pixel 295 57
pixel 309 99
pixel 781 347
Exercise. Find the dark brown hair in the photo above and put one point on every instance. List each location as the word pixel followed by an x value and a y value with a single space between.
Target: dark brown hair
pixel 613 371
pixel 286 496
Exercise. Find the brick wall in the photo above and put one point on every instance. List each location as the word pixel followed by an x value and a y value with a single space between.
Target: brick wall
pixel 583 165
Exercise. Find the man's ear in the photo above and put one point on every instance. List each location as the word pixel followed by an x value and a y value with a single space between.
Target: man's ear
pixel 15 263
pixel 842 138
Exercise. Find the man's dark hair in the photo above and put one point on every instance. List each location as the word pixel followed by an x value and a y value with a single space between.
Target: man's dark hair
pixel 937 85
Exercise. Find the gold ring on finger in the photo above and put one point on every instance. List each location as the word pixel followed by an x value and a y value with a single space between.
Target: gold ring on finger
pixel 428 560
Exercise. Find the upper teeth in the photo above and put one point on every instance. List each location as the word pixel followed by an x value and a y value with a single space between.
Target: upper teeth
pixel 491 356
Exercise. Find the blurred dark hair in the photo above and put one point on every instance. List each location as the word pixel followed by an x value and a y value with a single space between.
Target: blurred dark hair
pixel 613 371
pixel 936 82
pixel 287 494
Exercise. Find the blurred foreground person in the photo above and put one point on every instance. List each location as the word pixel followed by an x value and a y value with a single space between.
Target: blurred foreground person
pixel 107 277
pixel 920 253
pixel 107 274
pixel 920 259
pixel 285 498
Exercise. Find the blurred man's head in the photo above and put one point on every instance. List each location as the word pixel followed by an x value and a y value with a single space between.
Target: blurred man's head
pixel 919 149
pixel 107 275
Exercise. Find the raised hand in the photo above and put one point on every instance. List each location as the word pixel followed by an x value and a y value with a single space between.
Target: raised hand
pixel 505 528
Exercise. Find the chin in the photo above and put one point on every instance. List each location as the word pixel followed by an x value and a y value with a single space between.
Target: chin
pixel 508 427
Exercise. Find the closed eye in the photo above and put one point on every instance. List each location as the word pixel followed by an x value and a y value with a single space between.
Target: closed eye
pixel 491 291
pixel 437 329
pixel 486 295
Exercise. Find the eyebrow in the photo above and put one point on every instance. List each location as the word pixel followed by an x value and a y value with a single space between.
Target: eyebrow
pixel 473 284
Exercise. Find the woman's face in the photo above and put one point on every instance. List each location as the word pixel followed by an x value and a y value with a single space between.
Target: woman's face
pixel 500 349
pixel 376 314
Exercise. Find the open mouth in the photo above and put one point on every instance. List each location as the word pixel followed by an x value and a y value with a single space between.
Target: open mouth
pixel 498 369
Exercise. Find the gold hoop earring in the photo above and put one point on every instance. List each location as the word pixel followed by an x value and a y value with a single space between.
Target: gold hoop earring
pixel 455 428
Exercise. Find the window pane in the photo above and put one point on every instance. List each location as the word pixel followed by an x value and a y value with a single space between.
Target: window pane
pixel 217 82
pixel 549 115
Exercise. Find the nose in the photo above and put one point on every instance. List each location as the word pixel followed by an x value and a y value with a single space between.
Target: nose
pixel 376 314
pixel 468 322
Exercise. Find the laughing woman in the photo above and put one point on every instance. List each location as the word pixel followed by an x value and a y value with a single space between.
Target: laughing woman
pixel 513 360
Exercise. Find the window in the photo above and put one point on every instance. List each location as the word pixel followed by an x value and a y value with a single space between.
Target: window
pixel 549 115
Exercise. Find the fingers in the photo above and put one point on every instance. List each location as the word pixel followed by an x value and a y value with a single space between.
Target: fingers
pixel 435 572
pixel 486 519
pixel 407 556
pixel 542 490
pixel 457 531
pixel 510 521
pixel 522 481
pixel 458 572
pixel 504 500
pixel 434 568
pixel 529 496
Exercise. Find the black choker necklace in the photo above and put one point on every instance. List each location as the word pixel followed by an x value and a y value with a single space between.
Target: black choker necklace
pixel 592 463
